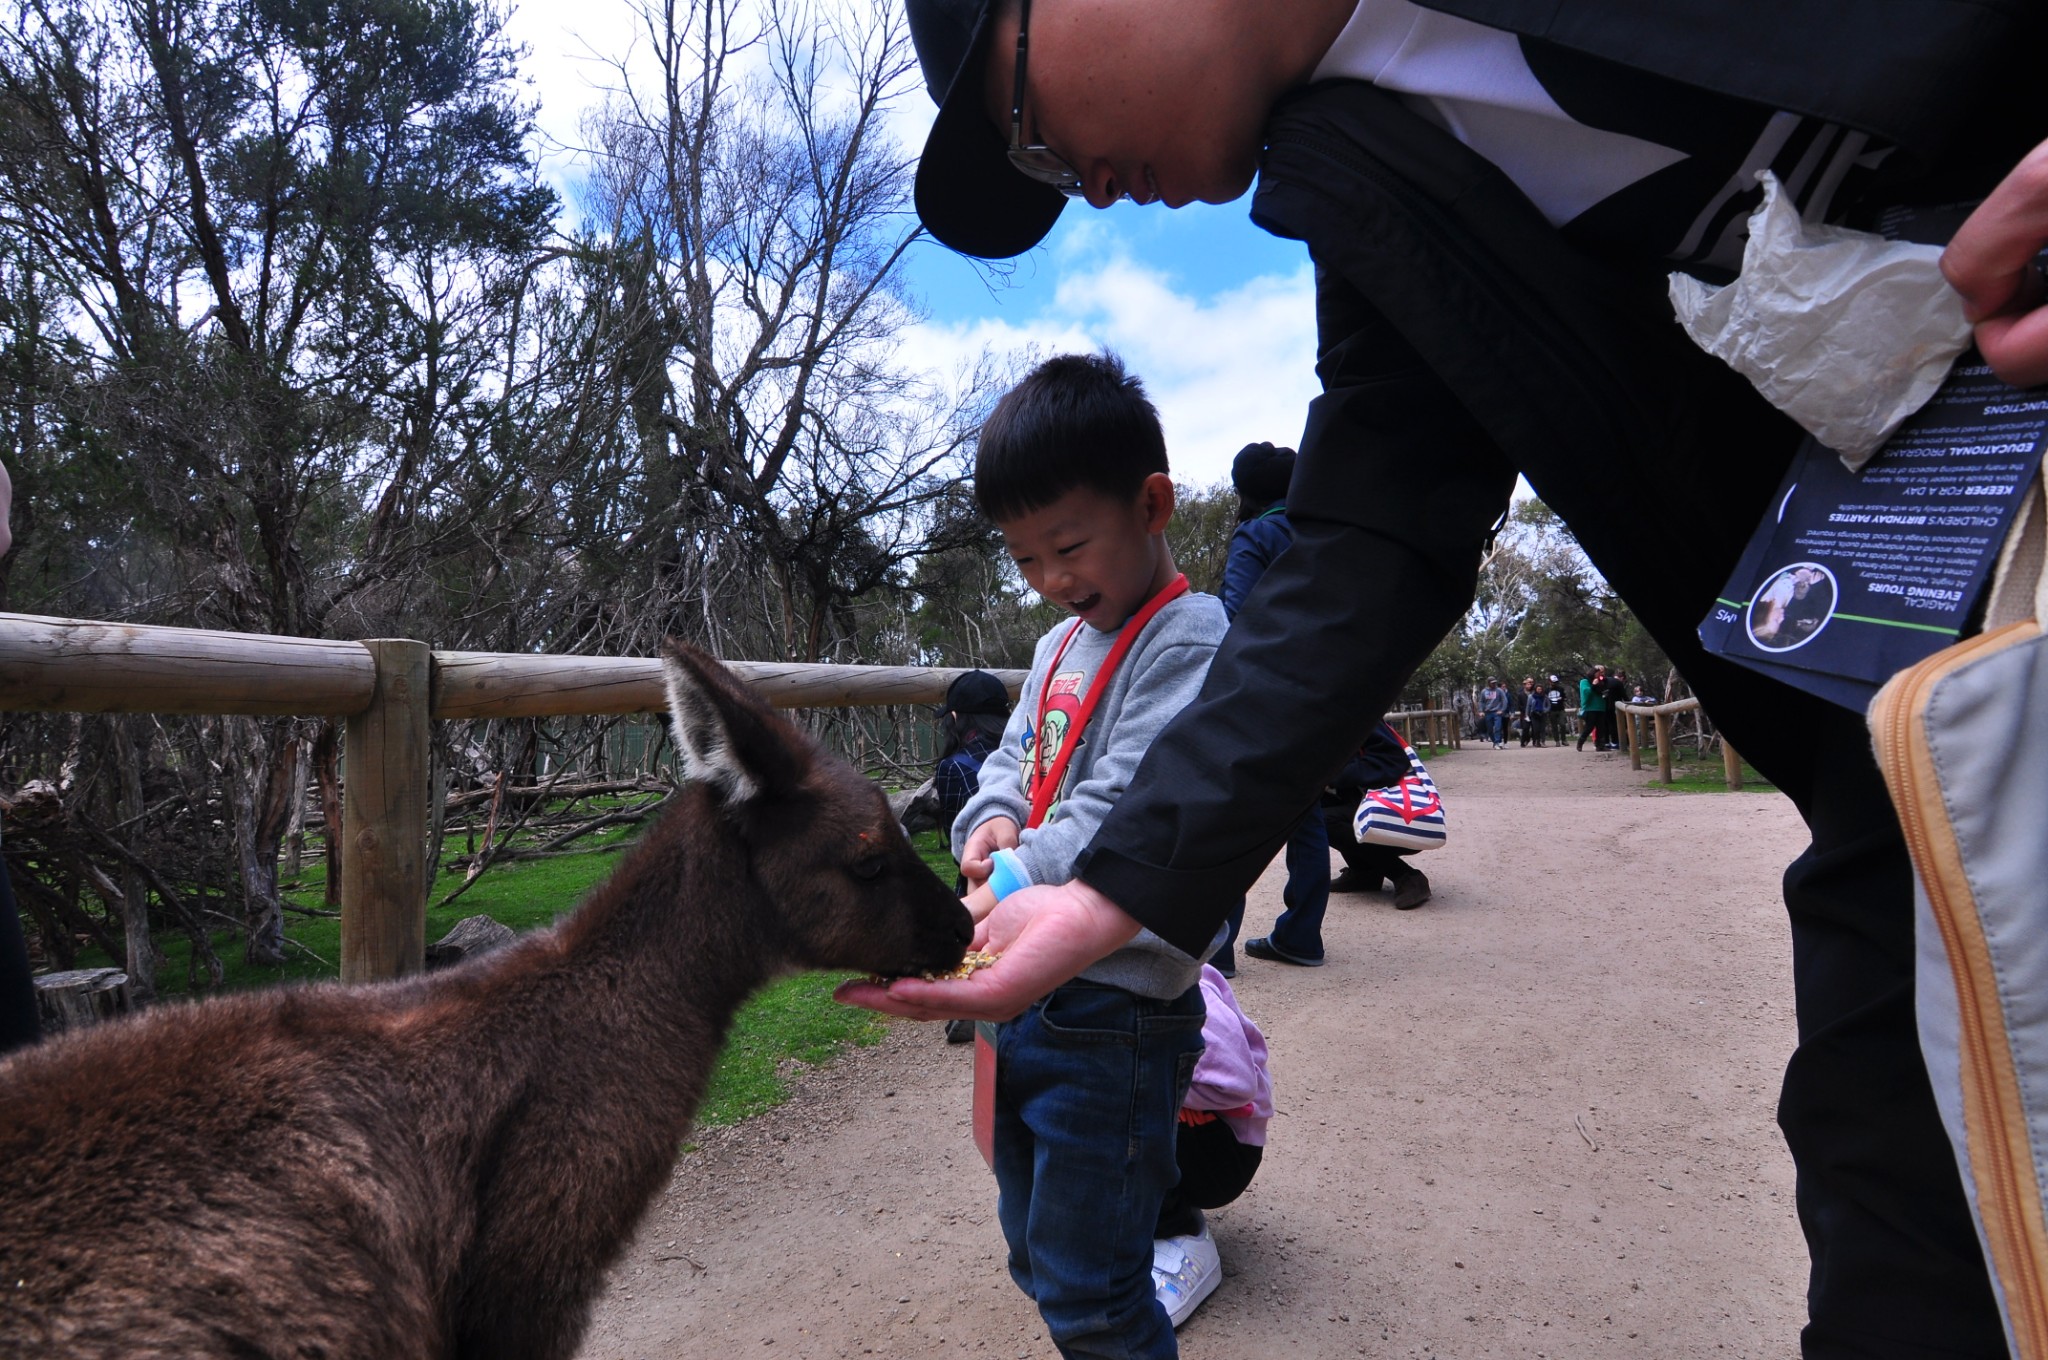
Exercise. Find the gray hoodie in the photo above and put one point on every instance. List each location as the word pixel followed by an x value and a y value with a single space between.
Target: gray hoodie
pixel 1158 676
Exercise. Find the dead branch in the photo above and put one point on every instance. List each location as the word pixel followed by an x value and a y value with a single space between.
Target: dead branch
pixel 202 947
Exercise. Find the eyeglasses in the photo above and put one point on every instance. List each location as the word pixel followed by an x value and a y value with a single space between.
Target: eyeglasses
pixel 1040 162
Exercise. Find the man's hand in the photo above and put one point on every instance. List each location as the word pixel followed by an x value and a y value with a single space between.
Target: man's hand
pixel 1990 262
pixel 997 833
pixel 1044 936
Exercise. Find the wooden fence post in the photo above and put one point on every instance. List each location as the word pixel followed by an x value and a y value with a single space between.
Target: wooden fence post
pixel 384 819
pixel 1632 729
pixel 1663 723
pixel 1731 763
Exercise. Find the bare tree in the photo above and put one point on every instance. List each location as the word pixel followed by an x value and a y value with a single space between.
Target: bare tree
pixel 755 216
pixel 251 217
pixel 288 343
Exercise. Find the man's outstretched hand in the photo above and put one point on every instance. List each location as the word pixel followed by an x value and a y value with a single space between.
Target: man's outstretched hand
pixel 1990 262
pixel 1043 936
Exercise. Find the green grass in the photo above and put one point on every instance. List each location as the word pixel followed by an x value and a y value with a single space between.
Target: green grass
pixel 934 849
pixel 1692 773
pixel 794 1020
pixel 523 895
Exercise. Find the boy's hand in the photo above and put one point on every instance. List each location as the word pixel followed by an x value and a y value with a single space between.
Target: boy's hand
pixel 1990 261
pixel 1043 936
pixel 979 903
pixel 997 833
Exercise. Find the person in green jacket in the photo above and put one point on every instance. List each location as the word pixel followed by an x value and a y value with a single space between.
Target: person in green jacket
pixel 1593 709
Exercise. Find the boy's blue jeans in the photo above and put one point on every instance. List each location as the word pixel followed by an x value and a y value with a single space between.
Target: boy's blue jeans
pixel 1088 1089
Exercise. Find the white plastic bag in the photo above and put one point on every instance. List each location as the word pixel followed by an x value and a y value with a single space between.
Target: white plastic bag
pixel 1845 332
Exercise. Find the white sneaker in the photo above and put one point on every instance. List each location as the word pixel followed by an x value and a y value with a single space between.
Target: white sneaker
pixel 1185 1270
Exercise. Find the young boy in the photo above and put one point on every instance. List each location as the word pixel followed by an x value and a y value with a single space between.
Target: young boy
pixel 1072 468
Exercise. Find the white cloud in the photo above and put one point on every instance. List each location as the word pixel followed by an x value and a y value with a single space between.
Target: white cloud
pixel 579 52
pixel 574 50
pixel 1224 370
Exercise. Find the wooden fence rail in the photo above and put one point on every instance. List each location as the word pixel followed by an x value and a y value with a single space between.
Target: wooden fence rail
pixel 388 690
pixel 1439 727
pixel 1660 716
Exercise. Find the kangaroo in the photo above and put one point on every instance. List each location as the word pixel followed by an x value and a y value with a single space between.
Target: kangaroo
pixel 445 1166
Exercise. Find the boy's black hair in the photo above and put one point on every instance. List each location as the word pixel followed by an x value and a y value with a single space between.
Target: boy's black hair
pixel 1077 420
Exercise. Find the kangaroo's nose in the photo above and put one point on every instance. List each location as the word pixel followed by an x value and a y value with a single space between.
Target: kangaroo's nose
pixel 963 927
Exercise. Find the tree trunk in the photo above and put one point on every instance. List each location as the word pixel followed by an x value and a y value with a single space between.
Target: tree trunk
pixel 327 773
pixel 74 1000
pixel 41 903
pixel 295 827
pixel 479 858
pixel 259 760
pixel 437 809
pixel 134 890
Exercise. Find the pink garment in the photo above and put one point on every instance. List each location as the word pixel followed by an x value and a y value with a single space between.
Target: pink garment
pixel 1231 1077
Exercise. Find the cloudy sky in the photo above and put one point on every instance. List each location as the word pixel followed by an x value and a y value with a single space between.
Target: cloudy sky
pixel 1217 317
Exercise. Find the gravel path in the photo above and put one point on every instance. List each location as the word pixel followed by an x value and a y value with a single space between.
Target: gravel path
pixel 1533 1118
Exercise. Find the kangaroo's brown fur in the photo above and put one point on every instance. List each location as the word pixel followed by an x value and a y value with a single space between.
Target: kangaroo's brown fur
pixel 445 1166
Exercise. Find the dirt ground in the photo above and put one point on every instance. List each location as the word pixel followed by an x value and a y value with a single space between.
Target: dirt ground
pixel 1533 1118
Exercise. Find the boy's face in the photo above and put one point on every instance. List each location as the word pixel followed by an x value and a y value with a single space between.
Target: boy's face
pixel 1097 557
pixel 1150 98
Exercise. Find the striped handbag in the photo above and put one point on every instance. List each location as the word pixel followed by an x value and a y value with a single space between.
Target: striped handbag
pixel 1404 816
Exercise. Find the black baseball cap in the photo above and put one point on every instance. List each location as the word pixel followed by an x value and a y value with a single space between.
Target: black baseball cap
pixel 969 196
pixel 978 692
pixel 1262 471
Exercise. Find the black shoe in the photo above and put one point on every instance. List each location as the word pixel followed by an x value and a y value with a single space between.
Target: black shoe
pixel 1347 881
pixel 1411 892
pixel 1264 948
pixel 1224 961
pixel 959 1031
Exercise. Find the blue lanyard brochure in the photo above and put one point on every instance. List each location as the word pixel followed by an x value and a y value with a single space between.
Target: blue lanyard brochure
pixel 1854 576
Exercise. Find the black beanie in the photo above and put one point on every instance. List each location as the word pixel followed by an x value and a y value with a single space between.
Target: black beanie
pixel 1261 473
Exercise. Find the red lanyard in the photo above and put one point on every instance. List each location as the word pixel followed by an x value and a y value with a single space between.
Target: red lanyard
pixel 1045 783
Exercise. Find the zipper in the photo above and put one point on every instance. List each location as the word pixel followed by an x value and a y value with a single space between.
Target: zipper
pixel 1897 719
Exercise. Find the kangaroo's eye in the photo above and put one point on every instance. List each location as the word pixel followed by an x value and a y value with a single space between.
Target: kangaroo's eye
pixel 869 869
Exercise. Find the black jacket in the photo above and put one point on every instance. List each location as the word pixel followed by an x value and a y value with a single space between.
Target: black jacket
pixel 1380 762
pixel 1887 67
pixel 1462 340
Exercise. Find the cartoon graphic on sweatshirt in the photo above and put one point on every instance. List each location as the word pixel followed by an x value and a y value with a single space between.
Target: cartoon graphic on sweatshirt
pixel 1042 748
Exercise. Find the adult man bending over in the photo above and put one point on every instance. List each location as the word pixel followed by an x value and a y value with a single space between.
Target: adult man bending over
pixel 1493 191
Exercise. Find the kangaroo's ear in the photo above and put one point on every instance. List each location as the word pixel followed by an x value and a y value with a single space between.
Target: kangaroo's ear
pixel 725 737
